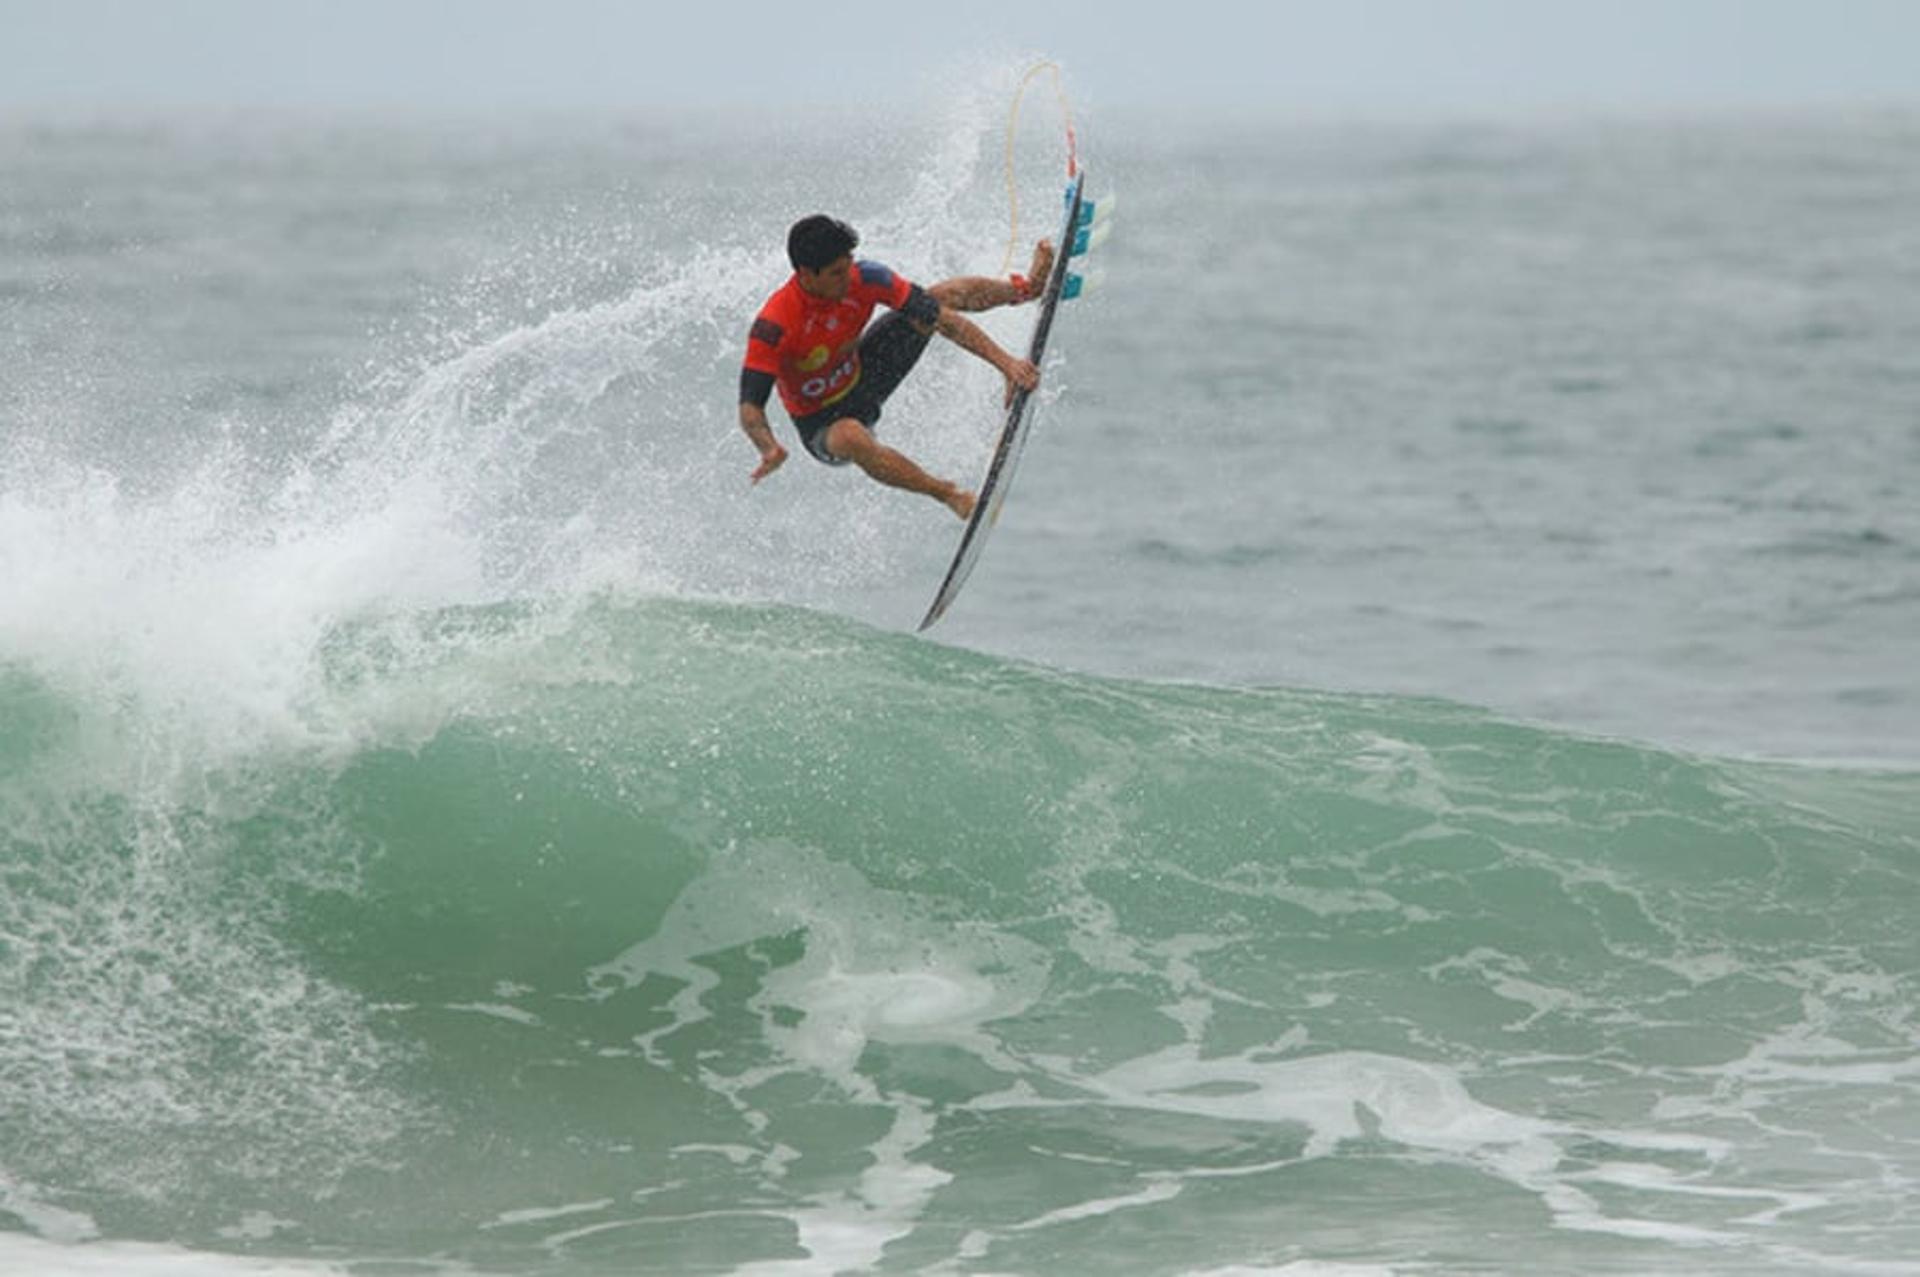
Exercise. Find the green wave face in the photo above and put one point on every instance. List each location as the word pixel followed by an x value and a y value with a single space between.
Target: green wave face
pixel 679 937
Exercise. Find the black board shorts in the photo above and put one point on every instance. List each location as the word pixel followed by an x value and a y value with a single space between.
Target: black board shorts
pixel 889 349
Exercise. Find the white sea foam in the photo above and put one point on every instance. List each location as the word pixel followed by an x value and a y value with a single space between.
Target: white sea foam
pixel 542 1214
pixel 1337 1097
pixel 876 969
pixel 55 1223
pixel 132 1259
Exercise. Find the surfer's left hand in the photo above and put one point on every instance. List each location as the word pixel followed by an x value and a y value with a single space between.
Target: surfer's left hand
pixel 1021 375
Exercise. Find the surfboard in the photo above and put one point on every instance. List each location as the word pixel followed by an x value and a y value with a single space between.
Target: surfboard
pixel 1013 431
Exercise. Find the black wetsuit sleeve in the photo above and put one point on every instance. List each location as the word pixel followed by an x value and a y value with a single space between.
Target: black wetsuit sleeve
pixel 922 306
pixel 755 387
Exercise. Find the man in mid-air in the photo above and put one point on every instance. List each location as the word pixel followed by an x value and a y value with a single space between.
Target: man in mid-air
pixel 812 341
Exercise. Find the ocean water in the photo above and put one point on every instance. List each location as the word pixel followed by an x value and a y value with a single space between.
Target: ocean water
pixel 1425 780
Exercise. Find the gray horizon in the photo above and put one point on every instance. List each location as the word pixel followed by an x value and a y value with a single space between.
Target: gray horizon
pixel 1368 57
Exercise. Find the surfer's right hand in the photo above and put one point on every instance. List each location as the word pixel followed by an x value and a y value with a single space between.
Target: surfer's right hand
pixel 770 460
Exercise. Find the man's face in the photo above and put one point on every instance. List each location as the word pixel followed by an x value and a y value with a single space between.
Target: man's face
pixel 830 282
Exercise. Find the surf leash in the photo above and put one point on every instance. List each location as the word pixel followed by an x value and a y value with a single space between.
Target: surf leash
pixel 1013 122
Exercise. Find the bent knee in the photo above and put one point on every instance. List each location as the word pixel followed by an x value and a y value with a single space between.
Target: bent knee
pixel 848 440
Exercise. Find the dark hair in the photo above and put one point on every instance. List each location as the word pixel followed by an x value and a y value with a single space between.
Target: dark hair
pixel 817 242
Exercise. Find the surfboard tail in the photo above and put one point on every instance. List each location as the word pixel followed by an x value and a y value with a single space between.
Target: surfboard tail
pixel 1091 227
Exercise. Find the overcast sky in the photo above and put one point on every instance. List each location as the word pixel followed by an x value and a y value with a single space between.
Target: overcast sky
pixel 639 56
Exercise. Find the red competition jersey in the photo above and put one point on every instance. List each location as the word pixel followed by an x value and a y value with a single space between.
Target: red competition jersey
pixel 811 347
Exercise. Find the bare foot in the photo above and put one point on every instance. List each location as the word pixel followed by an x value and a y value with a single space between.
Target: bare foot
pixel 1041 267
pixel 960 501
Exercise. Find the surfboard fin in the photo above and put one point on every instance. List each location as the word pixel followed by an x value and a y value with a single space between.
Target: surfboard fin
pixel 1091 237
pixel 1094 210
pixel 1094 224
pixel 1078 284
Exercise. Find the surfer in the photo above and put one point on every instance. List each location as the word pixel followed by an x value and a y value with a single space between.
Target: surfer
pixel 811 339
